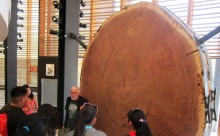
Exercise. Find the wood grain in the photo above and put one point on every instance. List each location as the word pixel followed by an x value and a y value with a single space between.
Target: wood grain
pixel 144 57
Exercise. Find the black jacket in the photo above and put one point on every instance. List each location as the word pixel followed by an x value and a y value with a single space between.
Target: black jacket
pixel 81 100
pixel 14 115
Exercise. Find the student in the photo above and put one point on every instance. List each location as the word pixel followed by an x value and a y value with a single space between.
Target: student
pixel 137 123
pixel 14 109
pixel 73 104
pixel 49 115
pixel 31 125
pixel 32 103
pixel 86 120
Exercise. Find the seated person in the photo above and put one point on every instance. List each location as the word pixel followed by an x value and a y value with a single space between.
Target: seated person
pixel 32 103
pixel 31 125
pixel 85 122
pixel 137 123
pixel 49 115
pixel 73 104
pixel 14 109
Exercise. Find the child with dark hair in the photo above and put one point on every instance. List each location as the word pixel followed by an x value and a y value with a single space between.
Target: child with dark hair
pixel 32 103
pixel 85 122
pixel 31 125
pixel 137 121
pixel 49 115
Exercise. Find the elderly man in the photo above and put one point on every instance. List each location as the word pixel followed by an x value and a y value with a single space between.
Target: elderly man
pixel 73 104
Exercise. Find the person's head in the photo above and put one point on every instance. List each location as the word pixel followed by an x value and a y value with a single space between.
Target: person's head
pixel 31 125
pixel 29 92
pixel 87 116
pixel 74 93
pixel 137 119
pixel 49 115
pixel 89 112
pixel 19 96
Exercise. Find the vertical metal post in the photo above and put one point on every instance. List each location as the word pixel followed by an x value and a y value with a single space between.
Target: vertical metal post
pixel 11 53
pixel 61 52
pixel 68 52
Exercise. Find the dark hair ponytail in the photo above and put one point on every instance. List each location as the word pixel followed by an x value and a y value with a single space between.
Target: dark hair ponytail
pixel 138 119
pixel 80 126
pixel 85 117
pixel 143 130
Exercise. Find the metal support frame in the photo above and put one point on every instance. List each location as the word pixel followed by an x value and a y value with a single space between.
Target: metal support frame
pixel 75 37
pixel 209 35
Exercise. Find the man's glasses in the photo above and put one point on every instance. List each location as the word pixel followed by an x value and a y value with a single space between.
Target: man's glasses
pixel 73 92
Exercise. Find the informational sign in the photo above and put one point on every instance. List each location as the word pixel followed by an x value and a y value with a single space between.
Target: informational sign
pixel 34 69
